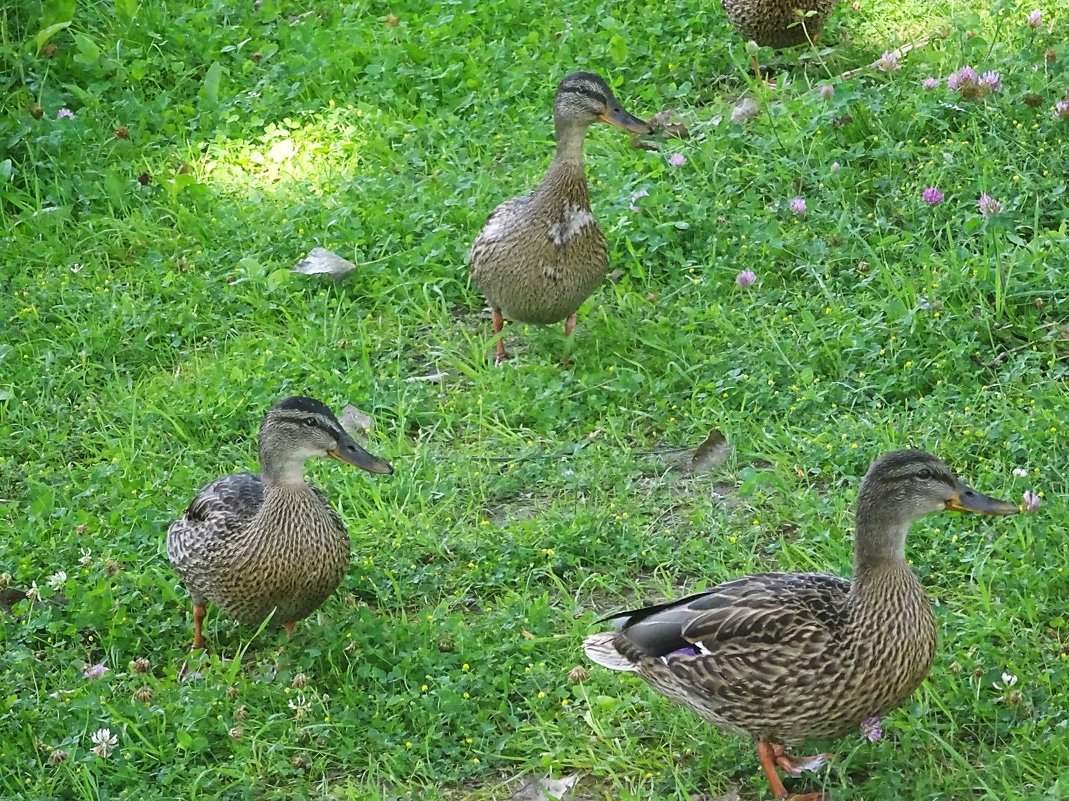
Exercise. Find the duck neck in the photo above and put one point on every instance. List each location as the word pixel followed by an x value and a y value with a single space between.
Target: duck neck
pixel 880 542
pixel 882 577
pixel 570 138
pixel 281 471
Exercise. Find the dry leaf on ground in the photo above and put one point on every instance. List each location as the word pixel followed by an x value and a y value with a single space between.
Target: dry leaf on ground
pixel 712 454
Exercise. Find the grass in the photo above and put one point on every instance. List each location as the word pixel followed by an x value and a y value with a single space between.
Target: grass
pixel 151 319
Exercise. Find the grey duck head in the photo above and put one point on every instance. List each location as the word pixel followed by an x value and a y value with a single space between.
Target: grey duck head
pixel 299 428
pixel 584 98
pixel 901 487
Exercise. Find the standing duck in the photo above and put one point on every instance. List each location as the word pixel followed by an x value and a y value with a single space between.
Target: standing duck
pixel 541 255
pixel 261 543
pixel 778 23
pixel 784 657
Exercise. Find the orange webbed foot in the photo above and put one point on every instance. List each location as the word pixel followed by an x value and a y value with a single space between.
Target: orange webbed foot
pixel 773 755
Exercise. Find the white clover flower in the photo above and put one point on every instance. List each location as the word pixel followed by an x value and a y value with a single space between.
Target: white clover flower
pixel 86 558
pixel 103 742
pixel 57 580
pixel 1008 680
pixel 34 592
pixel 299 707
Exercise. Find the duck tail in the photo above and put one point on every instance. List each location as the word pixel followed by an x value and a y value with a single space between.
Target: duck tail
pixel 601 648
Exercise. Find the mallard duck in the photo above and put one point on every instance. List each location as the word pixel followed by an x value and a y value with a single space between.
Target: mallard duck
pixel 784 657
pixel 779 23
pixel 541 255
pixel 261 543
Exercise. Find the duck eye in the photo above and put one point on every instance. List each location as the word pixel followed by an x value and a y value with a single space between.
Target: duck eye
pixel 924 474
pixel 309 421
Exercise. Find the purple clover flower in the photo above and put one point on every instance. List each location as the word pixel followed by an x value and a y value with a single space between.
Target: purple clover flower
pixel 988 206
pixel 64 114
pixel 1061 110
pixel 930 83
pixel 827 91
pixel 797 206
pixel 95 671
pixel 888 62
pixel 677 160
pixel 1035 19
pixel 963 80
pixel 1029 501
pixel 932 196
pixel 871 729
pixel 990 82
pixel 745 278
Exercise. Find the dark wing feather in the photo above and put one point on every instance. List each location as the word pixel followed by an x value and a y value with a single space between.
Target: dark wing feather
pixel 773 609
pixel 231 498
pixel 765 608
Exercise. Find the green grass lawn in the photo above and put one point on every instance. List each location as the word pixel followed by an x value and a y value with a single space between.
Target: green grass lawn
pixel 150 319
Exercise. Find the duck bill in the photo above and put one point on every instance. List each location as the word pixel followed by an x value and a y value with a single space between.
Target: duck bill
pixel 349 452
pixel 614 115
pixel 969 500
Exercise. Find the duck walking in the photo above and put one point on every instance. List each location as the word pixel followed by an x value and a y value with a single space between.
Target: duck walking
pixel 541 255
pixel 261 543
pixel 784 657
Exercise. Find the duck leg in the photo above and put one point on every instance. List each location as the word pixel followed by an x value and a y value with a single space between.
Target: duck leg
pixel 501 355
pixel 772 755
pixel 569 326
pixel 200 611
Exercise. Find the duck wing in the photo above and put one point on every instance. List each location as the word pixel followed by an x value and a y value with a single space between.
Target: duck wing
pixel 220 510
pixel 500 225
pixel 762 622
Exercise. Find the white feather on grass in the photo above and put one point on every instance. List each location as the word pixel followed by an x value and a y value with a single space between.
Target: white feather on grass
pixel 321 261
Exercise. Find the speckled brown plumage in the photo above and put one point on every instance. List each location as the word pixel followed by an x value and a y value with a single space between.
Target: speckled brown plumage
pixel 252 552
pixel 776 23
pixel 784 657
pixel 257 544
pixel 541 255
